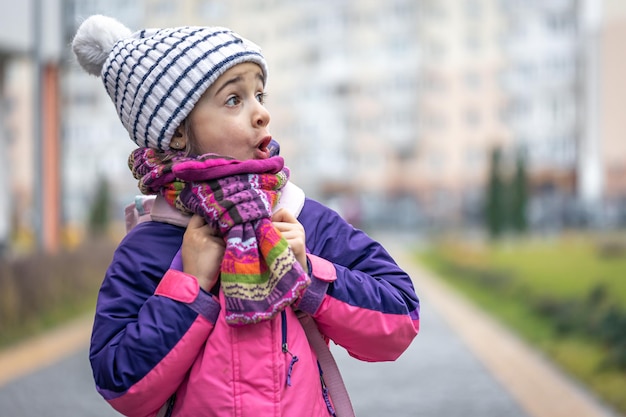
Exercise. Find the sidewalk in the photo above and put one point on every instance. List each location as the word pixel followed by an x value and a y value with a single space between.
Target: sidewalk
pixel 45 349
pixel 528 383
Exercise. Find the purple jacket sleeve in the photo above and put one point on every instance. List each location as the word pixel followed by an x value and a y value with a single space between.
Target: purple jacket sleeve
pixel 360 298
pixel 150 321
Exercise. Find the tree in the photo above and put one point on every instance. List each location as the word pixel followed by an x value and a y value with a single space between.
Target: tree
pixel 100 212
pixel 519 195
pixel 495 204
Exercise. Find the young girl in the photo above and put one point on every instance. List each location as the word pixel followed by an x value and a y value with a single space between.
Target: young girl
pixel 198 311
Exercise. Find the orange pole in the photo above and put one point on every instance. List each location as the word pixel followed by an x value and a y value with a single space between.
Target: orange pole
pixel 51 189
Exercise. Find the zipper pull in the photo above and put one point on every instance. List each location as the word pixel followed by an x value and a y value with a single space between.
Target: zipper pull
pixel 294 359
pixel 285 348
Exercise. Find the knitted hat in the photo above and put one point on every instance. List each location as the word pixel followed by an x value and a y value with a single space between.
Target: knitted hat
pixel 156 76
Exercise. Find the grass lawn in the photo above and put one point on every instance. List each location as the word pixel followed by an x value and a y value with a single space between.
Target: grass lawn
pixel 567 296
pixel 52 318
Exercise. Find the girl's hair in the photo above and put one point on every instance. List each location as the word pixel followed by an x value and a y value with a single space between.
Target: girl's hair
pixel 190 145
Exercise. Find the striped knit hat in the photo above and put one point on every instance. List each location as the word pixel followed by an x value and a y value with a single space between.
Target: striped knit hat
pixel 156 76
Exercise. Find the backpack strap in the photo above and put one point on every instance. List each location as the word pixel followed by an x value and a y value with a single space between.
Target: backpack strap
pixel 138 211
pixel 291 198
pixel 164 213
pixel 330 371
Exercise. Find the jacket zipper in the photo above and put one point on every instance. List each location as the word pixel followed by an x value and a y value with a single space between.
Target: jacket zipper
pixel 285 348
pixel 294 359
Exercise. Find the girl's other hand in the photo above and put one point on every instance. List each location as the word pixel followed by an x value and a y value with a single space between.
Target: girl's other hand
pixel 293 232
pixel 202 252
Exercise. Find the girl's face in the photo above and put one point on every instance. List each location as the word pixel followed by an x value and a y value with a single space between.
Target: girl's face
pixel 230 118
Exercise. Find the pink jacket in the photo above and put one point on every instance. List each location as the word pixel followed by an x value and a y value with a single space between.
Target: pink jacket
pixel 168 343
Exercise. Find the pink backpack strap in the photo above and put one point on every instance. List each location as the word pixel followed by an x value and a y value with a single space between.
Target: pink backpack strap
pixel 331 375
pixel 291 198
pixel 152 208
pixel 138 211
pixel 164 213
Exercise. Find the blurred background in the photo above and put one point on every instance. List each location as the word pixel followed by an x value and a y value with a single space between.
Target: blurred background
pixel 380 107
pixel 499 123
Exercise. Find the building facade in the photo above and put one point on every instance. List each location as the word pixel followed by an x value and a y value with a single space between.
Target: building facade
pixel 386 110
pixel 397 105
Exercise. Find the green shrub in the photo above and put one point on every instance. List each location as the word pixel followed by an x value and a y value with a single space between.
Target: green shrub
pixel 39 289
pixel 592 313
pixel 565 295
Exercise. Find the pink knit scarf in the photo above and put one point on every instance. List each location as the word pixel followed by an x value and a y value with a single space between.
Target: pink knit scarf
pixel 260 275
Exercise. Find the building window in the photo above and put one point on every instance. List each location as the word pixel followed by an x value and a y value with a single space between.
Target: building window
pixel 560 22
pixel 211 11
pixel 433 82
pixel 435 121
pixel 472 117
pixel 519 108
pixel 473 43
pixel 436 163
pixel 472 80
pixel 473 9
pixel 474 159
pixel 435 50
pixel 162 8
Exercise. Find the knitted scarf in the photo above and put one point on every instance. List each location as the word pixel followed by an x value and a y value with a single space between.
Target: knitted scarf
pixel 260 275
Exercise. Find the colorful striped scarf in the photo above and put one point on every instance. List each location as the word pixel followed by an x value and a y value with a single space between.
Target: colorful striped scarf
pixel 260 275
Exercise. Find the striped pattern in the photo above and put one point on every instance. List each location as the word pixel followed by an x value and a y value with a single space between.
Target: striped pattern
pixel 156 76
pixel 260 275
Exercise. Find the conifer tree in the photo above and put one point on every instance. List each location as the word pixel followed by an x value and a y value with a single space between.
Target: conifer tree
pixel 519 196
pixel 100 212
pixel 495 207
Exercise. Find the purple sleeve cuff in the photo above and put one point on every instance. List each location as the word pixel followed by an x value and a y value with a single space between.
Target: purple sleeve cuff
pixel 322 273
pixel 185 288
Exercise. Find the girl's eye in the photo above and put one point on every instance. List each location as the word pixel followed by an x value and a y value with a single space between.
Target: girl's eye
pixel 232 101
pixel 261 97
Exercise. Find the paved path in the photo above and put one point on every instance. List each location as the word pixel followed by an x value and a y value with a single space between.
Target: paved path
pixel 461 364
pixel 62 389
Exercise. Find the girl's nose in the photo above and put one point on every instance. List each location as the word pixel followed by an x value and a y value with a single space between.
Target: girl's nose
pixel 262 116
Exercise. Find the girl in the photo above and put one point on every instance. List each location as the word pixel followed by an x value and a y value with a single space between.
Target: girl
pixel 198 311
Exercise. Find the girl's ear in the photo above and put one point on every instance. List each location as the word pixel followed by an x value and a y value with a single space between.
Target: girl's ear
pixel 179 141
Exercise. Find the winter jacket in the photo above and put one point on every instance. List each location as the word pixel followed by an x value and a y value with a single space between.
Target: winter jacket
pixel 159 338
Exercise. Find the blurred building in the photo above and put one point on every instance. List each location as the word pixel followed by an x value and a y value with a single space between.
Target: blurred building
pixel 342 89
pixel 386 110
pixel 610 36
pixel 96 145
pixel 15 74
pixel 393 105
pixel 544 83
pixel 461 106
pixel 562 87
pixel 30 48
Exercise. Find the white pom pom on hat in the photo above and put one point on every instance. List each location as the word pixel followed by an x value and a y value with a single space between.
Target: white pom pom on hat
pixel 156 76
pixel 95 39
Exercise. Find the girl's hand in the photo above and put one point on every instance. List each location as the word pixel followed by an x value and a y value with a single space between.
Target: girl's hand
pixel 202 252
pixel 293 232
